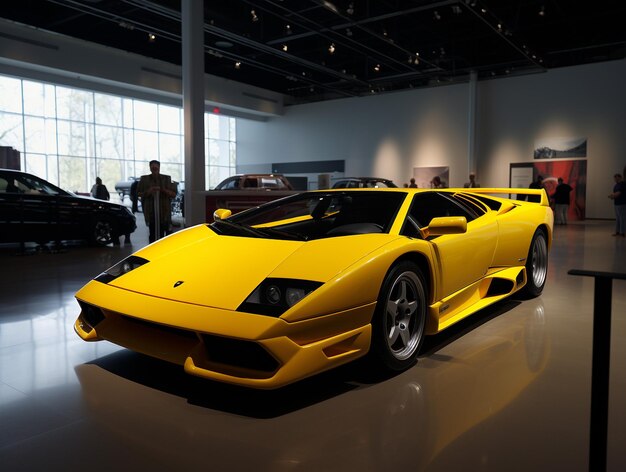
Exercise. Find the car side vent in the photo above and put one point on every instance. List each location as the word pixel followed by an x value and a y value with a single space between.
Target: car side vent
pixel 499 287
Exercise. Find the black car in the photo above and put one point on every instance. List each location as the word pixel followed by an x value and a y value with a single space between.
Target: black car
pixel 364 182
pixel 32 209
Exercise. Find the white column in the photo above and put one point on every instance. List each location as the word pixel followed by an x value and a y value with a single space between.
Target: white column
pixel 193 109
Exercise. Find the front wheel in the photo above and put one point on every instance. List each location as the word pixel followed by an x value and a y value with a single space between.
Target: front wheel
pixel 400 318
pixel 102 232
pixel 536 265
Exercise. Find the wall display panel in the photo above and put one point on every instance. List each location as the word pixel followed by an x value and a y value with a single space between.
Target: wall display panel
pixel 574 173
pixel 556 148
pixel 424 175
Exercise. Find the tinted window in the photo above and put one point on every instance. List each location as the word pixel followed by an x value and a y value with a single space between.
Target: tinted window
pixel 429 205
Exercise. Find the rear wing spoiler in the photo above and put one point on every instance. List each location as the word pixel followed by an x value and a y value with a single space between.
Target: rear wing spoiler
pixel 541 193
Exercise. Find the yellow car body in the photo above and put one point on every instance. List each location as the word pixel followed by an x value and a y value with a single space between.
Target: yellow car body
pixel 205 297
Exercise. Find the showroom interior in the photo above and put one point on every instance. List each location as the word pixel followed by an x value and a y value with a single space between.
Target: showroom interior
pixel 318 91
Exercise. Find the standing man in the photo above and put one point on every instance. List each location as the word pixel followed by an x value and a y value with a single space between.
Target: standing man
pixel 561 202
pixel 619 198
pixel 154 188
pixel 472 182
pixel 537 184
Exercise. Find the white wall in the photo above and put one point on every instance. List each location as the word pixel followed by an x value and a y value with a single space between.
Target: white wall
pixel 388 135
pixel 384 136
pixel 583 101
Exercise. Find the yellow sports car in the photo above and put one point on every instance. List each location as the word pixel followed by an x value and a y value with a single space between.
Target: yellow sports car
pixel 306 283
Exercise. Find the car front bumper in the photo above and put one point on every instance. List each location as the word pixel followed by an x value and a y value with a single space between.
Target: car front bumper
pixel 223 345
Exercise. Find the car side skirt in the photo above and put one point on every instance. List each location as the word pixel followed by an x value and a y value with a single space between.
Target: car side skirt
pixel 498 284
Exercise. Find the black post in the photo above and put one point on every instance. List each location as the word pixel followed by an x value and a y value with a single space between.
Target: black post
pixel 600 364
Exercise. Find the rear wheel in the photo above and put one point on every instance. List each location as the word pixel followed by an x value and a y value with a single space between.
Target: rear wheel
pixel 400 318
pixel 536 265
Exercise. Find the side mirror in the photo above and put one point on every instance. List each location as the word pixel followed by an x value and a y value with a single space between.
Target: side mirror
pixel 221 214
pixel 445 225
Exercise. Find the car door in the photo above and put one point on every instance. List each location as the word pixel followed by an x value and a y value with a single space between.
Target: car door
pixel 462 259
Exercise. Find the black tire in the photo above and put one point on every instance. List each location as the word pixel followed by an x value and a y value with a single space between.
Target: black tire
pixel 102 232
pixel 536 265
pixel 400 318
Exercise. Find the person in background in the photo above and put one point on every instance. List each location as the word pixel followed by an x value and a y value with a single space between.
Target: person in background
pixel 619 199
pixel 437 182
pixel 412 184
pixel 148 188
pixel 472 182
pixel 99 190
pixel 561 202
pixel 537 184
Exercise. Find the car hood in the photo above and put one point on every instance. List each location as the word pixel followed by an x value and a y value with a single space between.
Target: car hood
pixel 203 268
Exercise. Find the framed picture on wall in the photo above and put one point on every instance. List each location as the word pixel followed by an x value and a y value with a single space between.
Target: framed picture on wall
pixel 556 148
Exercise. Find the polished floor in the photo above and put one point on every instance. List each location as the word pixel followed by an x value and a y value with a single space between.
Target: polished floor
pixel 507 390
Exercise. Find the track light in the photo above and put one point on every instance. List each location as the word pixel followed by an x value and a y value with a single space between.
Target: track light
pixel 331 48
pixel 151 37
pixel 436 15
pixel 238 65
pixel 348 32
pixel 542 11
pixel 285 47
pixel 254 16
pixel 377 67
pixel 350 10
pixel 288 29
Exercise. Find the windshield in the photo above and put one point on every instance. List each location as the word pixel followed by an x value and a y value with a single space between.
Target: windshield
pixel 315 215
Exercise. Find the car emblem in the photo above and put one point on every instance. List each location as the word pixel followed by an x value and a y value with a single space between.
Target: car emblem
pixel 180 282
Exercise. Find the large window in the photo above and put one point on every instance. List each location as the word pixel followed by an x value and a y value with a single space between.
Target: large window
pixel 70 136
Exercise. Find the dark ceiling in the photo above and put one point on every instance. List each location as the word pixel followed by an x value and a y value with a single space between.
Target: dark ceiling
pixel 314 50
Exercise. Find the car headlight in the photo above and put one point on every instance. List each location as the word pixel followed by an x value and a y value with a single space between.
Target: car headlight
pixel 275 296
pixel 121 268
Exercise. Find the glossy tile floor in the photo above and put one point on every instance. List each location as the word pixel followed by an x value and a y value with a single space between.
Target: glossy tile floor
pixel 507 390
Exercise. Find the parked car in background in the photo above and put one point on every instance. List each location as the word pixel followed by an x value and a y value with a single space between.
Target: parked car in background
pixel 123 187
pixel 364 182
pixel 244 191
pixel 255 182
pixel 34 210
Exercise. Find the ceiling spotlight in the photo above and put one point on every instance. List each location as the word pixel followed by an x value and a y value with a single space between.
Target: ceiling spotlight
pixel 350 10
pixel 348 32
pixel 483 10
pixel 456 9
pixel 542 11
pixel 331 48
pixel 311 89
pixel 377 67
pixel 285 47
pixel 288 29
pixel 499 26
pixel 151 37
pixel 253 15
pixel 238 65
pixel 384 32
pixel 436 15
